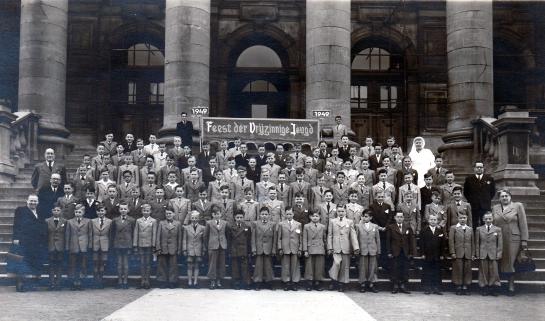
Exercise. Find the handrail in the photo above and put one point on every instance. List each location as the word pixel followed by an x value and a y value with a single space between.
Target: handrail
pixel 485 141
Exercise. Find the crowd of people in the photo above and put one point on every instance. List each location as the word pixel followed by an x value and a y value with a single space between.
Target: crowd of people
pixel 372 205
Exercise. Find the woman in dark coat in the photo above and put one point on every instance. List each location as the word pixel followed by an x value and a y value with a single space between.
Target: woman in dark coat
pixel 511 218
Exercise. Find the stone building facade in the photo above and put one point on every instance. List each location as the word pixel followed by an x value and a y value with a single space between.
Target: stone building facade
pixel 402 68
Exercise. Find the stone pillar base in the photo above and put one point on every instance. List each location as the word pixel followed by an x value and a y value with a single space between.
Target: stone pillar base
pixel 518 179
pixel 56 138
pixel 7 173
pixel 458 157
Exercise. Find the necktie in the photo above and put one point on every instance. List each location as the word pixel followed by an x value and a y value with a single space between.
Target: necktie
pixel 290 223
pixel 321 190
pixel 56 222
pixel 195 227
pixel 328 207
pixel 488 228
pixel 79 220
pixel 217 222
pixel 101 222
pixel 123 217
pixel 315 224
pixel 82 177
pixel 400 227
pixel 437 171
pixel 384 185
pixel 238 225
pixel 369 149
pixel 458 203
pixel 409 187
pixel 231 172
pixel 224 153
pixel 54 190
pixel 50 165
pixel 225 204
pixel 340 185
pixel 281 187
pixel 340 219
pixel 242 181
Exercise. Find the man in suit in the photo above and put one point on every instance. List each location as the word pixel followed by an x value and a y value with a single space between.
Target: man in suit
pixel 479 189
pixel 342 242
pixel 30 241
pixel 401 247
pixel 48 196
pixel 42 171
pixel 100 235
pixel 184 129
pixel 55 246
pixel 382 215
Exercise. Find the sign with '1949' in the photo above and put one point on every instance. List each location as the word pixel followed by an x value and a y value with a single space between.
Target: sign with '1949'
pixel 261 130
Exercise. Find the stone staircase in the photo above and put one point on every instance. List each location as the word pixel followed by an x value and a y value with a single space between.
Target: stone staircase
pixel 75 158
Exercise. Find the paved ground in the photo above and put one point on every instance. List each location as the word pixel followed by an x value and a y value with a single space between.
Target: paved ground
pixel 110 303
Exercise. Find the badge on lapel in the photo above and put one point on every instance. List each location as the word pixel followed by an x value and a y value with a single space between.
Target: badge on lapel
pixel 298 231
pixel 407 232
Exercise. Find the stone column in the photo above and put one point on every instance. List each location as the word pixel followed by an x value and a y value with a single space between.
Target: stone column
pixel 187 60
pixel 328 59
pixel 7 169
pixel 470 76
pixel 42 68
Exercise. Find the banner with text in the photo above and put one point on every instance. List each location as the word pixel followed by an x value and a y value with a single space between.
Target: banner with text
pixel 261 130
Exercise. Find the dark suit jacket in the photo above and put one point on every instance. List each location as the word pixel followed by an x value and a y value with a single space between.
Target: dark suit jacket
pixel 47 199
pixel 31 233
pixel 344 154
pixel 425 197
pixel 128 149
pixel 41 174
pixel 374 163
pixel 123 232
pixel 242 161
pixel 397 240
pixel 239 239
pixel 432 244
pixel 55 234
pixel 382 215
pixel 90 211
pixel 202 161
pixel 479 193
pixel 400 179
pixel 112 208
pixel 185 131
pixel 254 175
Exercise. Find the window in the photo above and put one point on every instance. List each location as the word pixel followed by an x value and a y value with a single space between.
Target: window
pixel 144 54
pixel 388 97
pixel 257 86
pixel 131 97
pixel 358 96
pixel 372 59
pixel 259 57
pixel 157 93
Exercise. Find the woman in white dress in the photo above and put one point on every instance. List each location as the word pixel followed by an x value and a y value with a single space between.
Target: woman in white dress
pixel 422 159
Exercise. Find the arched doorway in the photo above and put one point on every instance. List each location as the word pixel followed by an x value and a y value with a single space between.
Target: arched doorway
pixel 137 86
pixel 377 91
pixel 258 82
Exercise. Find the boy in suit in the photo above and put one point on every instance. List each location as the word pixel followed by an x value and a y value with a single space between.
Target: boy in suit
pixel 391 146
pixel 239 236
pixel 386 188
pixel 289 171
pixel 181 206
pixel 145 234
pixel 447 189
pixel 276 207
pixel 364 193
pixel 111 202
pixel 230 174
pixel 109 144
pixel 135 204
pixel 367 150
pixel 90 203
pixel 193 248
pixel 193 186
pixel 462 251
pixel 314 245
pixel 221 156
pixel 152 148
pixel 435 208
pixel 282 189
pixel 123 229
pixel 166 169
pixel 382 216
pixel 438 173
pixel 340 190
pixel 126 187
pixel 129 166
pixel 369 243
pixel 344 148
pixel 226 205
pixel 168 246
pixel 327 209
pixel 339 130
pixel 272 167
pixel 203 206
pixel 401 247
pixel 129 144
pixel 342 242
pixel 354 211
pixel 432 241
pixel 138 155
pixel 240 184
pixel 170 187
pixel 425 192
pixel 76 243
pixel 300 210
pixel 68 202
pixel 100 244
pixel 262 187
pixel 411 212
pixel 409 188
pixel 488 246
pixel 249 207
pixel 457 207
pixel 316 193
pixel 148 189
pixel 215 239
pixel 160 157
pixel 55 245
pixel 299 186
pixel 204 157
pixel 148 167
pixel 310 172
pixel 407 168
pixel 370 176
pixel 214 194
pixel 375 160
pixel 158 205
pixel 263 248
pixel 289 245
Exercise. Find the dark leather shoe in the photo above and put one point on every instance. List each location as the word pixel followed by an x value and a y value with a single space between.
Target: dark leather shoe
pixel 373 289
